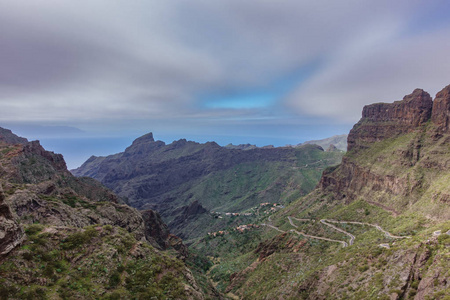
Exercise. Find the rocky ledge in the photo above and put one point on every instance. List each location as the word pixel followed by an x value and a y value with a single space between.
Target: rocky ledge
pixel 397 155
pixel 386 120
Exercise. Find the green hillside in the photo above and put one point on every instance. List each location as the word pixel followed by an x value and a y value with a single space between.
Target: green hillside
pixel 376 227
pixel 195 185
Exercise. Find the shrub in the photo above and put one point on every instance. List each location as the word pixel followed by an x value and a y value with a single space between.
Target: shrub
pixel 33 229
pixel 114 280
pixel 79 238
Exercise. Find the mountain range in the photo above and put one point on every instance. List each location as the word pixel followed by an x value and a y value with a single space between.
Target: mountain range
pixel 376 227
pixel 185 180
pixel 260 223
pixel 63 237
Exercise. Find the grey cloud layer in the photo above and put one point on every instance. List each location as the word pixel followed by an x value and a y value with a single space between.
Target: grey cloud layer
pixel 83 60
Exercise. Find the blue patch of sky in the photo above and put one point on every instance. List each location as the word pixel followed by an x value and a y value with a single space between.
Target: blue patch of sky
pixel 262 96
pixel 432 16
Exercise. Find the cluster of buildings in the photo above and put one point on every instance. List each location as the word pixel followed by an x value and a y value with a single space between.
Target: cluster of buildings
pixel 242 228
pixel 217 233
pixel 229 214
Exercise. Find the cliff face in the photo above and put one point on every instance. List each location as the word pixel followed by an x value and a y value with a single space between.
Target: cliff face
pixel 386 120
pixel 11 234
pixel 441 111
pixel 397 155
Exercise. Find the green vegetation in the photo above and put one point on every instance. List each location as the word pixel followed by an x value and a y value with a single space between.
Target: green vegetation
pixel 244 186
pixel 98 262
pixel 294 266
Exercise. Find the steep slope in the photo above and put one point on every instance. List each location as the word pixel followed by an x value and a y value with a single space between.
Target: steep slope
pixel 338 141
pixel 398 158
pixel 376 227
pixel 65 237
pixel 170 178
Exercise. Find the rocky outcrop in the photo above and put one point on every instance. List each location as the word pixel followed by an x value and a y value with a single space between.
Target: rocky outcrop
pixel 386 120
pixel 176 243
pixel 56 160
pixel 393 175
pixel 155 228
pixel 350 181
pixel 6 136
pixel 185 215
pixel 193 209
pixel 441 111
pixel 158 234
pixel 11 234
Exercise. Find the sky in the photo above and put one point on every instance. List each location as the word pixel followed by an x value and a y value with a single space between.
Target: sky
pixel 87 77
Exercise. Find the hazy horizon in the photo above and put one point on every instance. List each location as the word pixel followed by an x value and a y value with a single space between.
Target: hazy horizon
pixel 88 77
pixel 78 148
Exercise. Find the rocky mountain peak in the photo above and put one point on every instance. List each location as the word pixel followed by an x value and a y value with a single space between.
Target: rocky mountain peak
pixel 8 137
pixel 413 110
pixel 56 160
pixel 146 138
pixel 142 144
pixel 384 120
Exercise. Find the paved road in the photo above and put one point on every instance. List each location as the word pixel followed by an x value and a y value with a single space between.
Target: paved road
pixel 378 227
pixel 327 223
pixel 303 220
pixel 344 244
pixel 271 226
pixel 352 237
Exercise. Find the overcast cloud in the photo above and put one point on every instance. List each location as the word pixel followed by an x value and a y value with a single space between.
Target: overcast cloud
pixel 100 63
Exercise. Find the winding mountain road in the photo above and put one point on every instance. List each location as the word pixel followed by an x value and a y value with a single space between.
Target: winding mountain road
pixel 352 237
pixel 344 244
pixel 271 226
pixel 378 227
pixel 327 223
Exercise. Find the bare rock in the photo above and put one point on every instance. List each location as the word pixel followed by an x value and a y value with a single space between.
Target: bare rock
pixel 11 234
pixel 441 110
pixel 385 120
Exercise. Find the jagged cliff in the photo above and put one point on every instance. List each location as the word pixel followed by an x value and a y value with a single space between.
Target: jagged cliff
pixel 398 156
pixel 68 237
